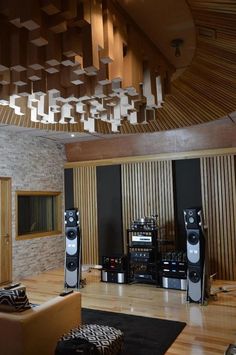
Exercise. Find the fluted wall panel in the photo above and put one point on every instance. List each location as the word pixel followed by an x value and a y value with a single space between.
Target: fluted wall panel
pixel 219 208
pixel 147 189
pixel 85 199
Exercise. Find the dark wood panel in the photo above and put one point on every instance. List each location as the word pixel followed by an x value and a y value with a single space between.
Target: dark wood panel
pixel 69 188
pixel 212 135
pixel 187 183
pixel 110 231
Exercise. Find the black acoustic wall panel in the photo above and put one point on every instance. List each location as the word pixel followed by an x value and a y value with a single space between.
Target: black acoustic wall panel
pixel 110 233
pixel 69 189
pixel 187 193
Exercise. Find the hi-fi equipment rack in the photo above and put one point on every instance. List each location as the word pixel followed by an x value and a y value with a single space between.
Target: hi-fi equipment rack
pixel 142 251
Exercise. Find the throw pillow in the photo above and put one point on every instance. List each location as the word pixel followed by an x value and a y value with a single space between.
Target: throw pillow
pixel 13 300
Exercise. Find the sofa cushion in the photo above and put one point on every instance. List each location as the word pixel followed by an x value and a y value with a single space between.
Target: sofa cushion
pixel 13 300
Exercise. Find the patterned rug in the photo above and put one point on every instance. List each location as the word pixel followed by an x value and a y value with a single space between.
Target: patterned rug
pixel 142 335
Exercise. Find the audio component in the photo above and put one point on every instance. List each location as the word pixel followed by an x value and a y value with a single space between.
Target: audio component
pixel 141 256
pixel 137 240
pixel 143 276
pixel 174 270
pixel 73 248
pixel 143 270
pixel 142 250
pixel 195 255
pixel 113 276
pixel 117 263
pixel 177 284
pixel 196 260
pixel 146 223
pixel 114 269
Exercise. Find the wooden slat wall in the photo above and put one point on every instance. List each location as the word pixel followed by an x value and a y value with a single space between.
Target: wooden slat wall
pixel 85 199
pixel 147 189
pixel 219 208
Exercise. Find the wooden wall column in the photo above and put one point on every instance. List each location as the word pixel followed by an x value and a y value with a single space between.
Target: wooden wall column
pixel 219 208
pixel 85 199
pixel 147 189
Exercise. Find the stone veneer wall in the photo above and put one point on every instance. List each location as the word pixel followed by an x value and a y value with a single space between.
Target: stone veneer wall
pixel 34 164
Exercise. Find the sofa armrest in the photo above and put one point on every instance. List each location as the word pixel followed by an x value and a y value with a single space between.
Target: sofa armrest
pixel 37 330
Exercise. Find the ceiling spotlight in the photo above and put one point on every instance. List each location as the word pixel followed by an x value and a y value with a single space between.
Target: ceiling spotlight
pixel 177 43
pixel 72 135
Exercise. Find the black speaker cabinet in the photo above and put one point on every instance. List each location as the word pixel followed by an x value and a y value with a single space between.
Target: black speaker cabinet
pixel 195 265
pixel 72 252
pixel 193 218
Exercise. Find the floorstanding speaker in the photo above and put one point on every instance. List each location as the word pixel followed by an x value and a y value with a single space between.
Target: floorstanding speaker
pixel 195 256
pixel 72 249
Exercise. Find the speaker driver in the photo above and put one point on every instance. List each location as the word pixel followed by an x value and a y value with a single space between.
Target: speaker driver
pixel 71 265
pixel 71 233
pixel 194 276
pixel 193 237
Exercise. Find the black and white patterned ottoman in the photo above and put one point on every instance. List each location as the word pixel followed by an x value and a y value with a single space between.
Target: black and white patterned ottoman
pixel 108 340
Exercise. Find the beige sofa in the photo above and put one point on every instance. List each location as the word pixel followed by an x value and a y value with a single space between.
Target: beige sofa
pixel 37 330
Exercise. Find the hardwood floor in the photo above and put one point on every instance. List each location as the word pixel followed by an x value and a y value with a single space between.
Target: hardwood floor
pixel 210 328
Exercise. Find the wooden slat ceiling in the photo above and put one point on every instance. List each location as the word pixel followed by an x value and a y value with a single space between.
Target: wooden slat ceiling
pixel 205 91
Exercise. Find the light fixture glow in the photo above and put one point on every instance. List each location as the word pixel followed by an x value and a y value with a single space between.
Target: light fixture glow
pixel 177 43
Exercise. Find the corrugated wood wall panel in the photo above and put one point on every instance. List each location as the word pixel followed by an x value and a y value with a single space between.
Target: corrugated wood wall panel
pixel 147 189
pixel 219 208
pixel 85 199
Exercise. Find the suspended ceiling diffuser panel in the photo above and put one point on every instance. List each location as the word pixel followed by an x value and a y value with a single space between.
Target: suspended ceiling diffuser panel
pixel 110 66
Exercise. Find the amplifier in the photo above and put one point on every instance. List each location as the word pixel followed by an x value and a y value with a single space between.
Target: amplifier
pixel 143 276
pixel 174 269
pixel 174 265
pixel 181 274
pixel 137 240
pixel 113 276
pixel 141 256
pixel 114 263
pixel 174 283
